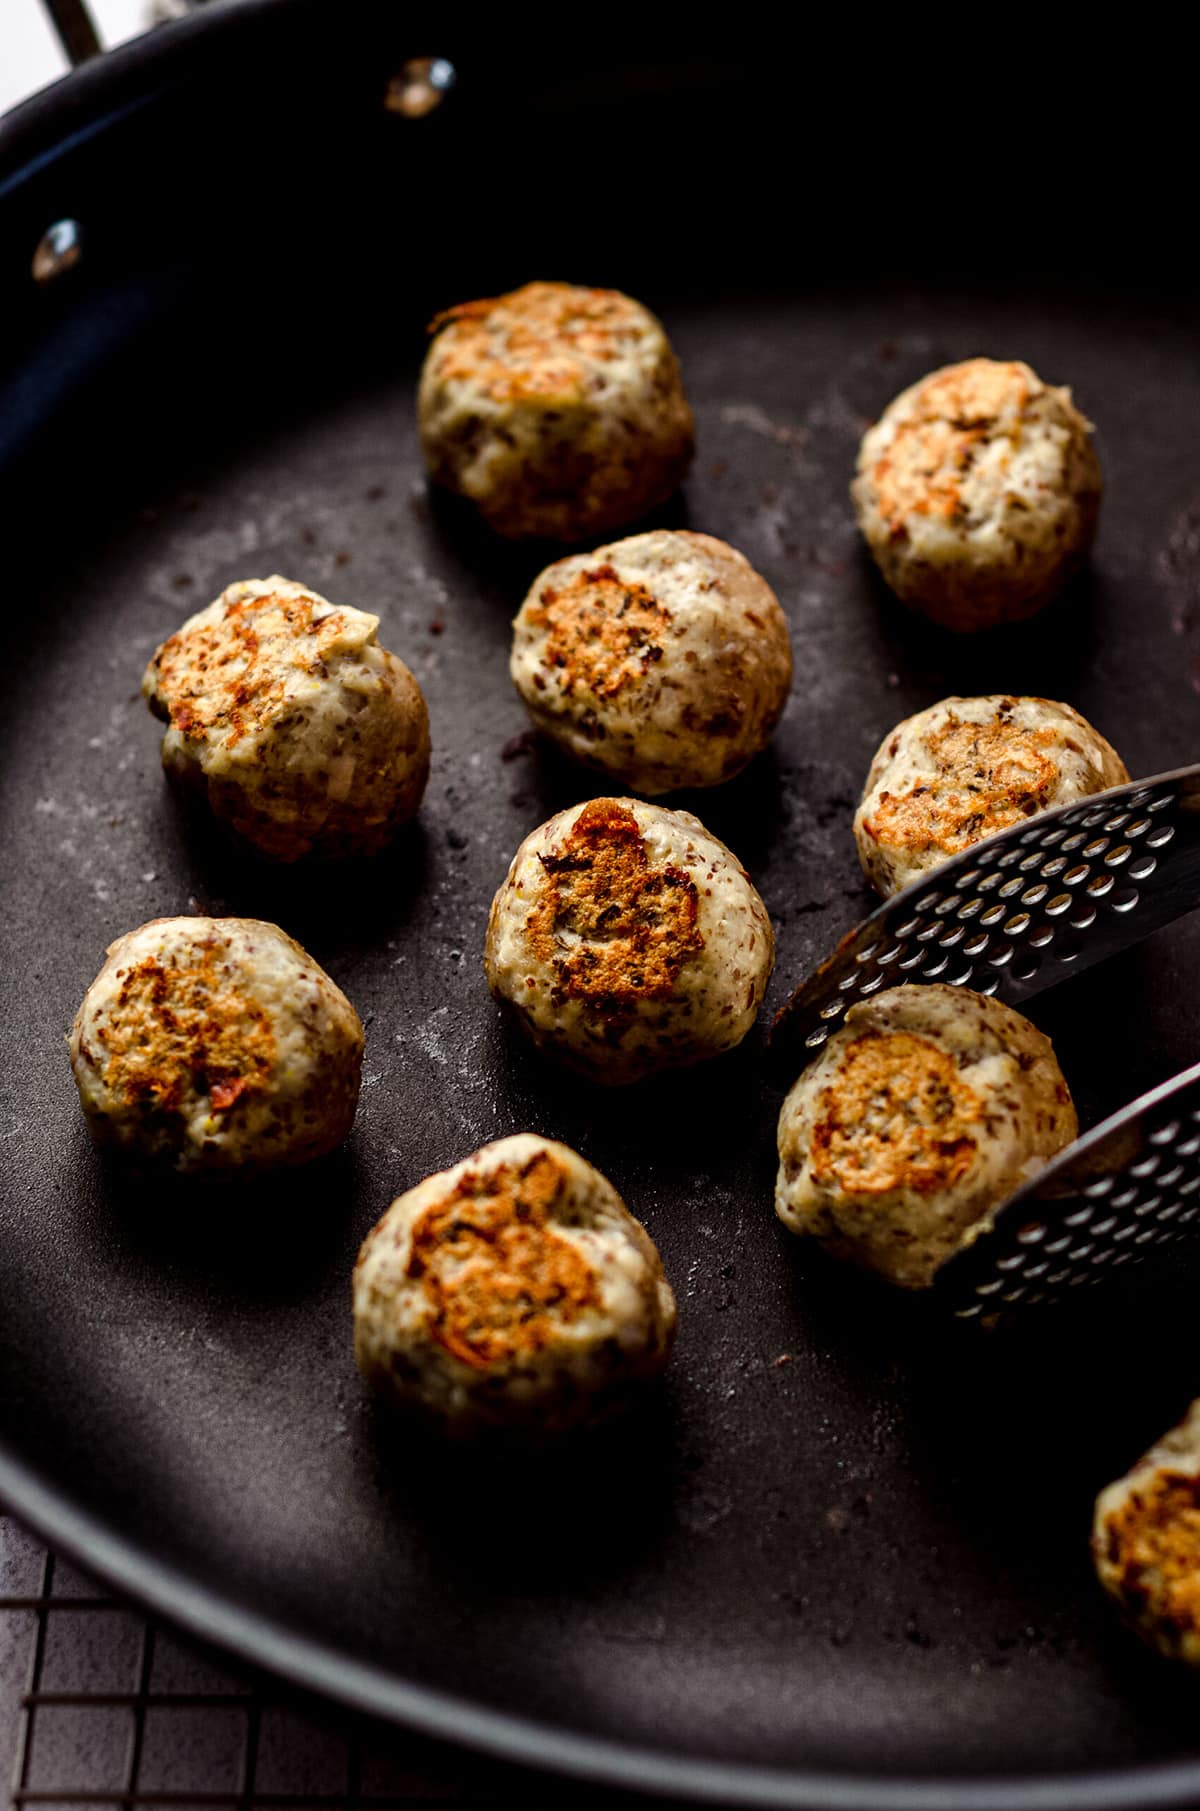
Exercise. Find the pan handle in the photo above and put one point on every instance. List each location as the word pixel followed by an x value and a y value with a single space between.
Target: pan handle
pixel 75 28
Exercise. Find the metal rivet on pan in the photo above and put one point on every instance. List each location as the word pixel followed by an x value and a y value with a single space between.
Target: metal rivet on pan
pixel 59 249
pixel 419 86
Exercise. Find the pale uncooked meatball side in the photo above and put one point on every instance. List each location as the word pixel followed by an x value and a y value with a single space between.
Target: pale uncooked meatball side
pixel 967 767
pixel 1146 1542
pixel 663 660
pixel 306 736
pixel 558 411
pixel 977 492
pixel 921 1115
pixel 216 1044
pixel 627 939
pixel 515 1289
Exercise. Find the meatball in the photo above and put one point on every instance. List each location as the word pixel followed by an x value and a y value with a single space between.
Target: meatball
pixel 216 1044
pixel 627 939
pixel 557 411
pixel 663 660
pixel 306 736
pixel 968 766
pixel 921 1115
pixel 977 492
pixel 513 1289
pixel 1146 1542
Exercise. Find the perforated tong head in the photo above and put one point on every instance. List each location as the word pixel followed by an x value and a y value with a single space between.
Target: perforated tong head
pixel 1126 1188
pixel 1010 916
pixel 1020 910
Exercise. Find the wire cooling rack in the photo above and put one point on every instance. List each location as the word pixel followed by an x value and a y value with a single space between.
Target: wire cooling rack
pixel 103 1707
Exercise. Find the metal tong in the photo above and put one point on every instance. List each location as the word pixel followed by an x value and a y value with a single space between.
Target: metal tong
pixel 1010 916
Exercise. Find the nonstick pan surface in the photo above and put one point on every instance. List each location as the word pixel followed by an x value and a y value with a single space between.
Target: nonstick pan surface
pixel 843 1560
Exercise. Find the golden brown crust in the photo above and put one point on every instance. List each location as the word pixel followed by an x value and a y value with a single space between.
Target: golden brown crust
pixel 214 1044
pixel 632 926
pixel 919 1117
pixel 967 767
pixel 600 632
pixel 1150 1544
pixel 663 660
pixel 305 735
pixel 978 491
pixel 500 1281
pixel 183 1028
pixel 552 333
pixel 558 411
pixel 922 471
pixel 229 676
pixel 896 1116
pixel 1005 776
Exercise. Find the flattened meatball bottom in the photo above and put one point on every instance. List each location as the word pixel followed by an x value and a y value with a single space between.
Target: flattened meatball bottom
pixel 977 493
pixel 513 1289
pixel 216 1044
pixel 967 767
pixel 628 939
pixel 920 1117
pixel 663 660
pixel 306 736
pixel 557 411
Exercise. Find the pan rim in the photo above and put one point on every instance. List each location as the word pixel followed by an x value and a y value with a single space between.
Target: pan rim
pixel 317 1666
pixel 34 133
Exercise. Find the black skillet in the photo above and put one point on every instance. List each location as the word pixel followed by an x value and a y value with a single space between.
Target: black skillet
pixel 843 1560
